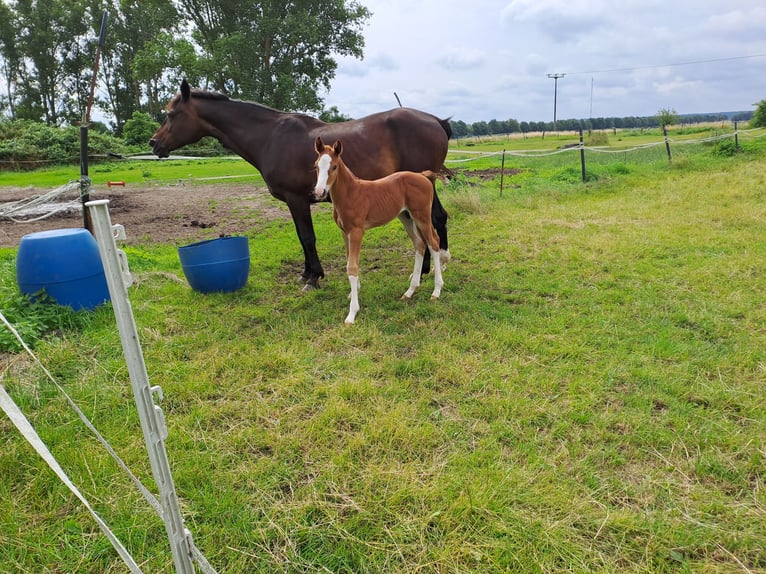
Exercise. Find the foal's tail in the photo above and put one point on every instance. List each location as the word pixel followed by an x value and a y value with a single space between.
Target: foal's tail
pixel 433 176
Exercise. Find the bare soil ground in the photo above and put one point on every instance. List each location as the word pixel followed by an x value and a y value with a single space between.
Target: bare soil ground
pixel 176 214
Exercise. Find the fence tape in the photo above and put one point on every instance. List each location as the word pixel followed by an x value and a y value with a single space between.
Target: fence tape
pixel 21 422
pixel 26 429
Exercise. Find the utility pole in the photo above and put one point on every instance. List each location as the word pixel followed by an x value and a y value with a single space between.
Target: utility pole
pixel 555 94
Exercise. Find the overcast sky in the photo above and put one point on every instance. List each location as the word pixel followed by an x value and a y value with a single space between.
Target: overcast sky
pixel 489 59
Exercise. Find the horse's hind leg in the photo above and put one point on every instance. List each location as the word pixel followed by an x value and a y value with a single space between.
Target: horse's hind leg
pixel 439 221
pixel 417 242
pixel 438 281
pixel 432 239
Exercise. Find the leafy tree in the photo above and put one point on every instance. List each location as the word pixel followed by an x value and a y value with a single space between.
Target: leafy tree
pixel 10 55
pixel 139 129
pixel 759 117
pixel 278 53
pixel 460 129
pixel 141 47
pixel 480 128
pixel 667 117
pixel 52 43
pixel 333 115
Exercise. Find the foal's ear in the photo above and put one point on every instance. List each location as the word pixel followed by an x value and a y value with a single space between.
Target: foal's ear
pixel 337 147
pixel 319 145
pixel 185 90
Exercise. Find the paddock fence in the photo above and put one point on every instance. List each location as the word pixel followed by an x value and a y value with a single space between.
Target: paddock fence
pixel 572 151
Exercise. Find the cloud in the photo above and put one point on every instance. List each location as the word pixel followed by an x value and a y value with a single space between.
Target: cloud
pixel 360 68
pixel 465 59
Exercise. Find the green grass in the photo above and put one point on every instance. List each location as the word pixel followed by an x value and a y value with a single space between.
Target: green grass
pixel 131 171
pixel 587 395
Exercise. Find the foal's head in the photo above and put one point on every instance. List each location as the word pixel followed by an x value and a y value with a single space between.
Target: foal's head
pixel 326 165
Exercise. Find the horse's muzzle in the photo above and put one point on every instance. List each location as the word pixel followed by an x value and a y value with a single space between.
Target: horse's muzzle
pixel 321 193
pixel 158 149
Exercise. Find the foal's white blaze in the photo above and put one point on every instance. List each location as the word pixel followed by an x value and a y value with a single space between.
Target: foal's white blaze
pixel 323 173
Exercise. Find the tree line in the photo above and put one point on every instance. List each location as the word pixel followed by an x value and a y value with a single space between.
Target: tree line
pixel 270 51
pixel 496 127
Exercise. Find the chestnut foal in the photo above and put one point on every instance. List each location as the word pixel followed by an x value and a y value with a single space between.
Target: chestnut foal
pixel 359 204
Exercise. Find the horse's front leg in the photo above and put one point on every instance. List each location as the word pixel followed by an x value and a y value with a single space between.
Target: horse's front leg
pixel 354 246
pixel 300 210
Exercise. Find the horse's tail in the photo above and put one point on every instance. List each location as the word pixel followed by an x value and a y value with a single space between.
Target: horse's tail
pixel 433 176
pixel 446 126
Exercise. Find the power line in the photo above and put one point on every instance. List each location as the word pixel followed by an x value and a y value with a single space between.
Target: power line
pixel 649 67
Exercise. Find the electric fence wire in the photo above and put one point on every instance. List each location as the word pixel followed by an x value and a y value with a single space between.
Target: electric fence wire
pixel 148 496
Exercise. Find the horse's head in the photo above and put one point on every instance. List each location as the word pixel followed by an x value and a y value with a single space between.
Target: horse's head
pixel 326 166
pixel 181 126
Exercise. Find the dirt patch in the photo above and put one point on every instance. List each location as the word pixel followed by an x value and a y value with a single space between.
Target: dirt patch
pixel 176 214
pixel 489 174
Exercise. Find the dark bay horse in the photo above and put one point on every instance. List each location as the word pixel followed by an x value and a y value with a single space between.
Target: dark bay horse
pixel 360 204
pixel 281 146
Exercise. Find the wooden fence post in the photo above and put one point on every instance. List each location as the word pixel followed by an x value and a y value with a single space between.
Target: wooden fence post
pixel 582 156
pixel 736 137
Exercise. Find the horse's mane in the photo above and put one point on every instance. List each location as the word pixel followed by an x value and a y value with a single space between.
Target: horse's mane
pixel 218 96
pixel 204 94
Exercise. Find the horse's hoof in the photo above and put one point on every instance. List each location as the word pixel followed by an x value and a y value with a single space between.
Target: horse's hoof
pixel 434 297
pixel 309 287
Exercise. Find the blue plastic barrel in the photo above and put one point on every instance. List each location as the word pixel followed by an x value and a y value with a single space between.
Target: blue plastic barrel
pixel 66 264
pixel 216 265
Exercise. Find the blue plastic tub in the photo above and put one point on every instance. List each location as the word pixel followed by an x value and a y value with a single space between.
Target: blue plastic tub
pixel 216 265
pixel 66 264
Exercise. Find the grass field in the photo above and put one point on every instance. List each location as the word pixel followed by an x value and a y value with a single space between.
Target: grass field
pixel 586 396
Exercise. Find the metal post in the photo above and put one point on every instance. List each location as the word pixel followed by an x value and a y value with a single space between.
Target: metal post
pixel 582 156
pixel 667 142
pixel 151 416
pixel 502 173
pixel 84 178
pixel 555 94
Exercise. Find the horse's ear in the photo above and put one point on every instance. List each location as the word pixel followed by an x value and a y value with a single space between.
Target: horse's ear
pixel 185 90
pixel 337 147
pixel 319 144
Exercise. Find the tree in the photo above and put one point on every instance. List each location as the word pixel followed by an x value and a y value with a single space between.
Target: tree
pixel 667 117
pixel 277 53
pixel 139 129
pixel 143 40
pixel 759 117
pixel 10 55
pixel 333 115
